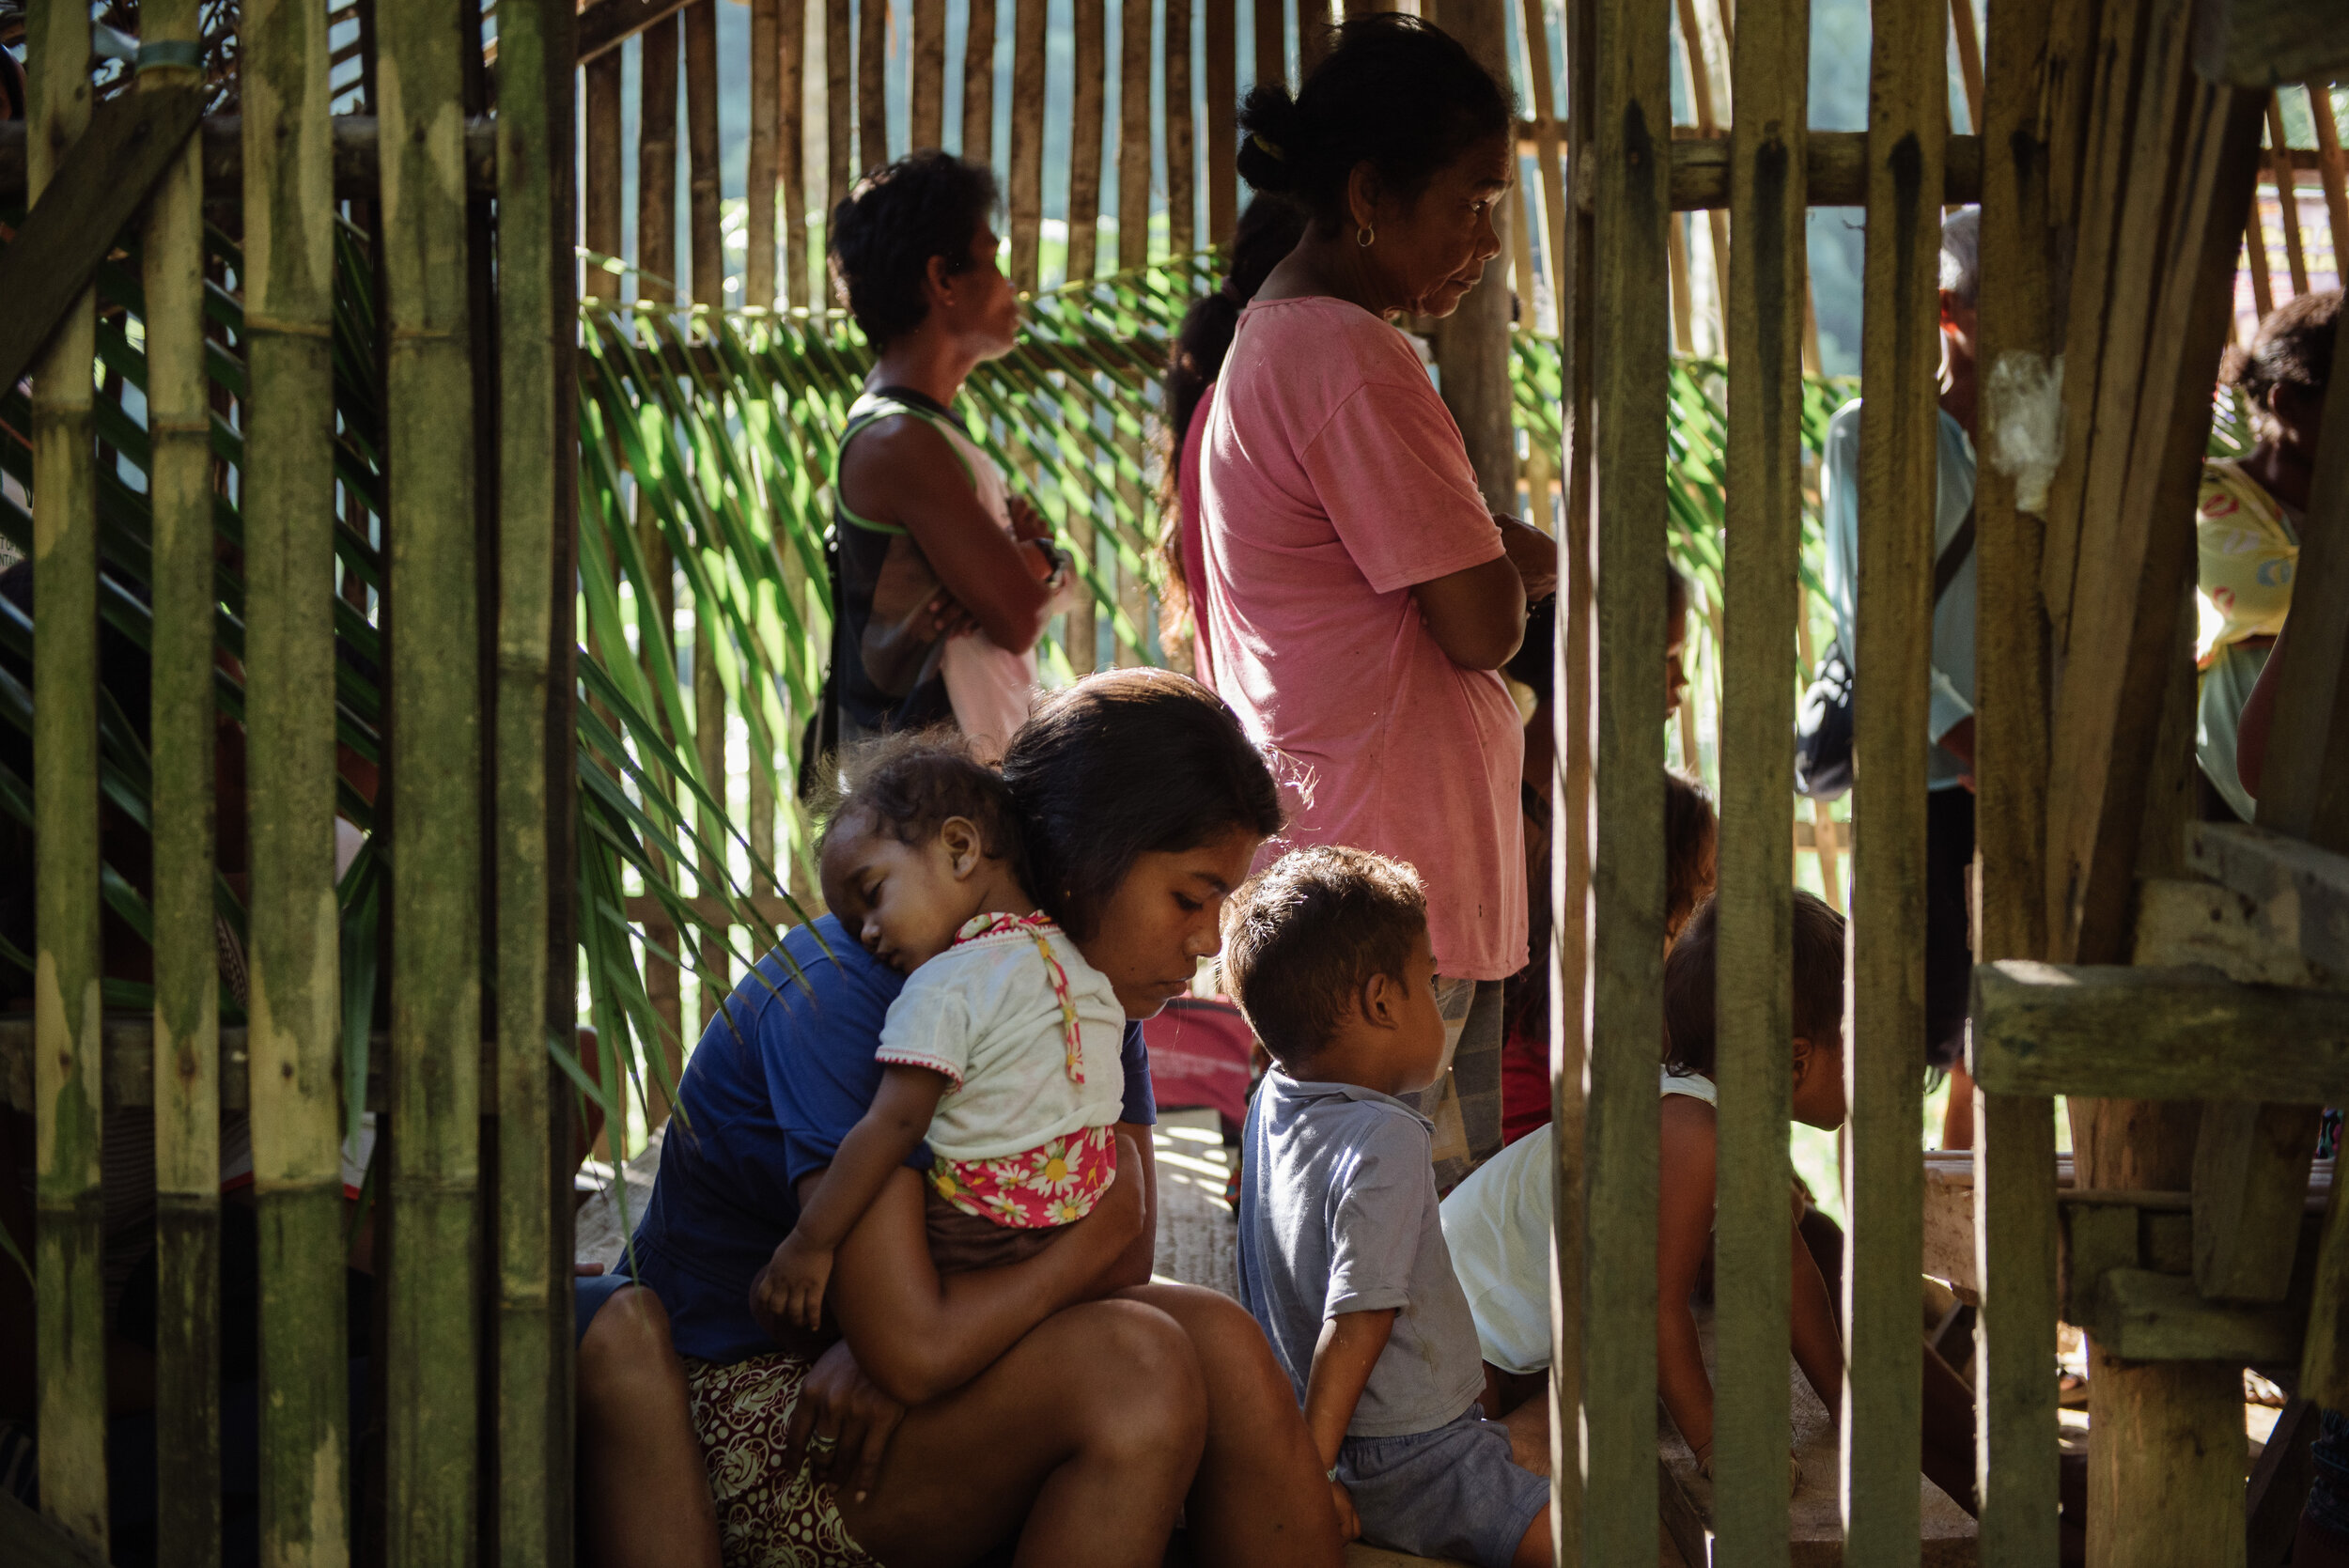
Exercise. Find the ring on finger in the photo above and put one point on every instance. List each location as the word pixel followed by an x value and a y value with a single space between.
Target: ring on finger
pixel 821 1445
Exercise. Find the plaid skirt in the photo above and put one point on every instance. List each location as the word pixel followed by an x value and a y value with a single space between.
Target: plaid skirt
pixel 766 1517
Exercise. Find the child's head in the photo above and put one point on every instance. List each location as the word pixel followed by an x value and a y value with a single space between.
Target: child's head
pixel 1690 1006
pixel 1326 952
pixel 913 242
pixel 1692 847
pixel 922 836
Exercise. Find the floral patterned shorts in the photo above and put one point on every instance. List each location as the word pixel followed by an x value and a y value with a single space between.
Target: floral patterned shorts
pixel 1056 1183
pixel 767 1518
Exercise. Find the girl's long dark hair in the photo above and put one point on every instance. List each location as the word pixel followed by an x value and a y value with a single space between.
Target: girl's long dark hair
pixel 1267 231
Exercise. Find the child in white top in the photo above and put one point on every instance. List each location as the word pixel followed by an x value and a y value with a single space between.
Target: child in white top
pixel 1002 1050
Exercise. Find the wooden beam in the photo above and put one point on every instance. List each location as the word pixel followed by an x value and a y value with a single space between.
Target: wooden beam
pixel 601 187
pixel 2301 894
pixel 609 23
pixel 2250 1171
pixel 2260 43
pixel 978 83
pixel 100 183
pixel 2180 922
pixel 36 1541
pixel 2147 1033
pixel 2140 1316
pixel 2287 194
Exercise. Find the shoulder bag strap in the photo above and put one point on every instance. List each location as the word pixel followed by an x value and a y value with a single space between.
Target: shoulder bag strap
pixel 1961 545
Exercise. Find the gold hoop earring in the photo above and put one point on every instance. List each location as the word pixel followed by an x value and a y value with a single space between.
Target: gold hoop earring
pixel 1366 237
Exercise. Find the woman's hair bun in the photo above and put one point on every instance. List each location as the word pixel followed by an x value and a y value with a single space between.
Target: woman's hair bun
pixel 1269 154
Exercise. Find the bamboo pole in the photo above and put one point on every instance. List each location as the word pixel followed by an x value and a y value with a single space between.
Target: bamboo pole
pixel 1684 308
pixel 762 171
pixel 1701 100
pixel 929 118
pixel 790 79
pixel 1182 152
pixel 2287 193
pixel 978 83
pixel 709 697
pixel 602 224
pixel 1084 139
pixel 2256 261
pixel 1969 59
pixel 1884 1181
pixel 186 966
pixel 1629 200
pixel 535 315
pixel 656 165
pixel 701 161
pixel 1134 134
pixel 431 1421
pixel 1222 90
pixel 872 91
pixel 2015 1468
pixel 839 167
pixel 1027 142
pixel 70 1344
pixel 1547 152
pixel 1269 20
pixel 1762 307
pixel 2333 173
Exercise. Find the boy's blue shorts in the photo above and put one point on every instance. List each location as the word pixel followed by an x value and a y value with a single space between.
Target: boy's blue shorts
pixel 1453 1492
pixel 589 1292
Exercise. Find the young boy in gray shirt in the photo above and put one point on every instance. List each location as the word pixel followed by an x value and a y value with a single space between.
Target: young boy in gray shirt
pixel 1341 1255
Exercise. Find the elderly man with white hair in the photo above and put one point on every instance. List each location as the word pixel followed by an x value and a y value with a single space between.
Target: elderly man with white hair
pixel 1949 769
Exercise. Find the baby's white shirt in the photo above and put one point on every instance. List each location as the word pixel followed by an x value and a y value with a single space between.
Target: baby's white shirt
pixel 985 1014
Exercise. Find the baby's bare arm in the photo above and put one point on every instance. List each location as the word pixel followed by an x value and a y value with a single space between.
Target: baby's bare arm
pixel 1684 1229
pixel 898 1120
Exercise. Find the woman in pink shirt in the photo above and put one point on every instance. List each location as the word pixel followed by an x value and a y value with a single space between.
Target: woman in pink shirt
pixel 1361 598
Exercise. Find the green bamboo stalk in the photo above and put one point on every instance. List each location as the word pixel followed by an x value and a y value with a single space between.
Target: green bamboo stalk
pixel 431 1461
pixel 296 1007
pixel 70 1332
pixel 187 984
pixel 536 313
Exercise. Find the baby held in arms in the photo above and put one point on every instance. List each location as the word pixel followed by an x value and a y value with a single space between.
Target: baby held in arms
pixel 1002 1050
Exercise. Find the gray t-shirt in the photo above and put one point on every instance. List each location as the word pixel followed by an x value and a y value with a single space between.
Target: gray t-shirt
pixel 1338 1214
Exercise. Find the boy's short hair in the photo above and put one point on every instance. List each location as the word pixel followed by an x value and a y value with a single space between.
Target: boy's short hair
pixel 1301 937
pixel 884 234
pixel 1690 1014
pixel 908 784
pixel 1691 850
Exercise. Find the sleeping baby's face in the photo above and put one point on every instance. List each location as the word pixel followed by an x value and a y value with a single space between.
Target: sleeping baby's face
pixel 903 902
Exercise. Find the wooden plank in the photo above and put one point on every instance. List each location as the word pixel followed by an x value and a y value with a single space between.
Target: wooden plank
pixel 762 170
pixel 2287 193
pixel 791 154
pixel 872 98
pixel 1969 41
pixel 656 165
pixel 2142 1316
pixel 1134 134
pixel 1547 155
pixel 839 151
pixel 2256 263
pixel 128 1066
pixel 701 155
pixel 1838 176
pixel 1676 263
pixel 1702 100
pixel 536 313
pixel 1632 51
pixel 928 118
pixel 2147 1034
pixel 1027 141
pixel 1763 310
pixel 1270 19
pixel 2332 170
pixel 36 1541
pixel 1182 152
pixel 606 25
pixel 978 83
pixel 1222 94
pixel 186 1079
pixel 2180 921
pixel 2300 892
pixel 2250 1172
pixel 432 1425
pixel 103 178
pixel 1883 1195
pixel 2279 1487
pixel 601 197
pixel 2011 1239
pixel 2258 43
pixel 1084 153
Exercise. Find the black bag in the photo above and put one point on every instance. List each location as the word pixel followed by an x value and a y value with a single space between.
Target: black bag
pixel 1823 723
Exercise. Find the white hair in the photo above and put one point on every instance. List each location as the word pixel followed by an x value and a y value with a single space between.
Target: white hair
pixel 1961 253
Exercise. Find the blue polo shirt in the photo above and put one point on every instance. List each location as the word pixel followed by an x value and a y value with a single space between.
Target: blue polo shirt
pixel 779 1078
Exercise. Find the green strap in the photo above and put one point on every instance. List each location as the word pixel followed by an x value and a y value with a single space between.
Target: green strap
pixel 875 409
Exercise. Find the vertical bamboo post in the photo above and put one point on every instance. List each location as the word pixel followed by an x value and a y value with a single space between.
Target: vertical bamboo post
pixel 1027 142
pixel 1969 59
pixel 2331 172
pixel 978 82
pixel 709 301
pixel 840 164
pixel 1547 152
pixel 928 95
pixel 1629 161
pixel 656 163
pixel 1182 151
pixel 69 1342
pixel 431 1423
pixel 762 172
pixel 701 162
pixel 536 317
pixel 1134 134
pixel 1682 306
pixel 295 1011
pixel 872 89
pixel 187 969
pixel 1314 19
pixel 2015 1212
pixel 1084 137
pixel 2255 260
pixel 600 225
pixel 1706 107
pixel 1222 90
pixel 2287 193
pixel 1762 307
pixel 1884 1178
pixel 1269 20
pixel 1472 342
pixel 791 153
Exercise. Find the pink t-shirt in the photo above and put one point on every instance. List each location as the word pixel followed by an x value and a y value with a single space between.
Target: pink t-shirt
pixel 1333 480
pixel 1194 553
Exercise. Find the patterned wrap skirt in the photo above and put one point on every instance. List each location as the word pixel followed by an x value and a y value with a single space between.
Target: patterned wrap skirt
pixel 766 1517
